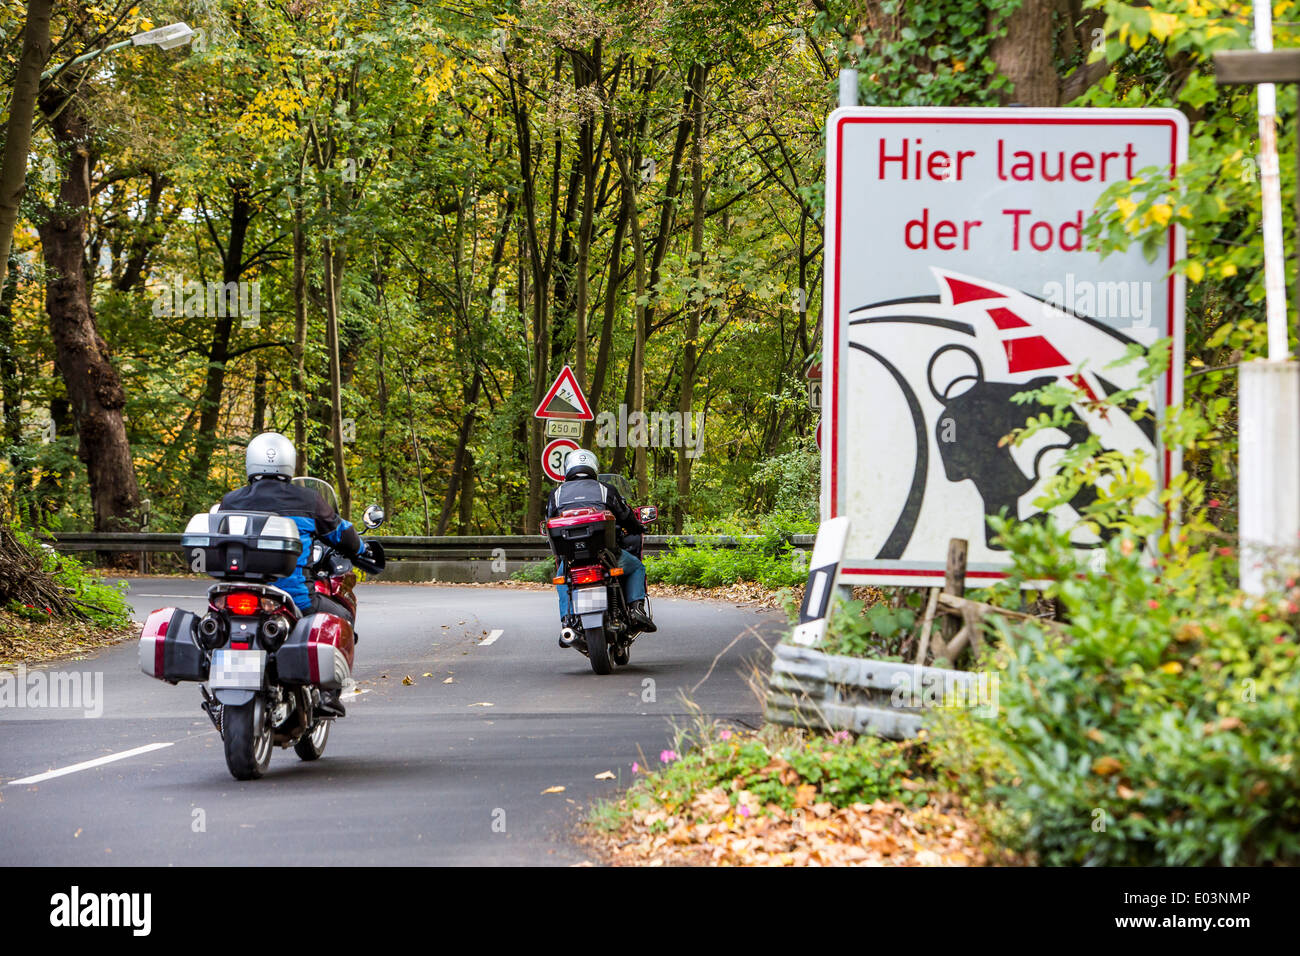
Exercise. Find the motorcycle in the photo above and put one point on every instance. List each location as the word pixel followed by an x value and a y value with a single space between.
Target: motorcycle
pixel 587 542
pixel 261 663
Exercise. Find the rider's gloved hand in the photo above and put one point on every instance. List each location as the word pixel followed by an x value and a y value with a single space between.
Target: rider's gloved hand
pixel 362 550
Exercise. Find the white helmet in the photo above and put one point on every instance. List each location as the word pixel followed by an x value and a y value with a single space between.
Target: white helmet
pixel 580 463
pixel 270 453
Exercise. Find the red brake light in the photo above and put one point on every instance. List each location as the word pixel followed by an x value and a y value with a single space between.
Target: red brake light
pixel 243 602
pixel 588 575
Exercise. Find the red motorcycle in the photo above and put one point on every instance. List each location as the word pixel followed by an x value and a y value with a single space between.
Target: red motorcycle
pixel 261 663
pixel 587 543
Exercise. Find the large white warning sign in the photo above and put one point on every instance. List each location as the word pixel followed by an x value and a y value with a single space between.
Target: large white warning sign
pixel 957 276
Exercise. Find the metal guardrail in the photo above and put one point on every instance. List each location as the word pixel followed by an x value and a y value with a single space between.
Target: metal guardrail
pixel 512 547
pixel 809 688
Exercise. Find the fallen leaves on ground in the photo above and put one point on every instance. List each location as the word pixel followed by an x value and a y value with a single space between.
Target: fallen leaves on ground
pixel 712 831
pixel 31 642
pixel 606 775
pixel 556 789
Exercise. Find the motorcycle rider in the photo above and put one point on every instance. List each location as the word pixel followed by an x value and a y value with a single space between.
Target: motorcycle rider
pixel 582 489
pixel 270 462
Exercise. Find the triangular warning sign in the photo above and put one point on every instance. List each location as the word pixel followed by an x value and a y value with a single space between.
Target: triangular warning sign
pixel 565 400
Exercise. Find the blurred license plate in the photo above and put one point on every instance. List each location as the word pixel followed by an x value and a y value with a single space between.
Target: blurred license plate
pixel 241 670
pixel 590 599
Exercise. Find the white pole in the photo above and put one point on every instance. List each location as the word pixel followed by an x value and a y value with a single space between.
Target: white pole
pixel 1268 393
pixel 1271 185
pixel 848 87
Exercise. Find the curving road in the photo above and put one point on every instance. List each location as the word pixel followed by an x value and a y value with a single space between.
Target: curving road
pixel 424 773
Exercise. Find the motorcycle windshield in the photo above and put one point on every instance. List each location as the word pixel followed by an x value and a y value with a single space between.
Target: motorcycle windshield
pixel 322 488
pixel 619 483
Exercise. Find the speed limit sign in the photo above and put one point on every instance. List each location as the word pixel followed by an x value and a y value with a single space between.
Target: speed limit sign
pixel 553 457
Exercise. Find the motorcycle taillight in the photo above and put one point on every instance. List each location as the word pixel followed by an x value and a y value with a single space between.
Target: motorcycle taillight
pixel 590 575
pixel 243 602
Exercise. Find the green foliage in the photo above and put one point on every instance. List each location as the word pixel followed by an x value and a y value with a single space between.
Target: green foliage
pixel 857 629
pixel 844 769
pixel 82 595
pixel 539 572
pixel 1160 728
pixel 770 560
pixel 933 54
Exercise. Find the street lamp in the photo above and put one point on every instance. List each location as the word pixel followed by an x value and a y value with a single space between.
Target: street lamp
pixel 167 38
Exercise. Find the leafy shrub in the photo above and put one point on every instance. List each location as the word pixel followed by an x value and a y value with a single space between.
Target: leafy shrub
pixel 1161 727
pixel 845 770
pixel 770 559
pixel 540 572
pixel 858 630
pixel 38 583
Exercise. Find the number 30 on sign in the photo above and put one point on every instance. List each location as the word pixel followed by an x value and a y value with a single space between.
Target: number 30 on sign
pixel 553 457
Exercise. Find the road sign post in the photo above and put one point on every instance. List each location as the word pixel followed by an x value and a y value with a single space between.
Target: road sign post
pixel 958 277
pixel 1268 392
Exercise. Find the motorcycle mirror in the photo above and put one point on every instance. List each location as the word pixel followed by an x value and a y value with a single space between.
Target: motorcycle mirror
pixel 647 513
pixel 373 517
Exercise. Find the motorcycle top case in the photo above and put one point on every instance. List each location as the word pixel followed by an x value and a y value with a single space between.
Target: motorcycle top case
pixel 167 647
pixel 242 545
pixel 317 651
pixel 580 535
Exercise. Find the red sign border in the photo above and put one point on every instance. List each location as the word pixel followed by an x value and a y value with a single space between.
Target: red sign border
pixel 1174 247
pixel 585 415
pixel 546 453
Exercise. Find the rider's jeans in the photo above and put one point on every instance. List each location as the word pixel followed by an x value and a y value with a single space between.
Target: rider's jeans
pixel 633 581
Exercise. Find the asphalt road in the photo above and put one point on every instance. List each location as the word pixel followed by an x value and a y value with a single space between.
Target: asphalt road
pixel 426 773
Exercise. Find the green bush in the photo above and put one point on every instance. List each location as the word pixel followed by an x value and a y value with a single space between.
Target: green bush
pixel 75 592
pixel 1160 727
pixel 539 572
pixel 845 770
pixel 876 631
pixel 770 559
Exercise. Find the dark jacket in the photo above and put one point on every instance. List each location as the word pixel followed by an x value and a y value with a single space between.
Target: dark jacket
pixel 590 493
pixel 314 518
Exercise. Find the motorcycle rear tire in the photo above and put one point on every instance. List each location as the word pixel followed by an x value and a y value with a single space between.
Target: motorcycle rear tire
pixel 311 745
pixel 248 745
pixel 598 652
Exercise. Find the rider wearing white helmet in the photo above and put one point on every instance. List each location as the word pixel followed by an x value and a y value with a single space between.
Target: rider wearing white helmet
pixel 270 463
pixel 581 489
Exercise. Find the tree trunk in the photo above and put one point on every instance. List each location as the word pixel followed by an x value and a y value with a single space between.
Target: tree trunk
pixel 299 381
pixel 328 267
pixel 94 390
pixel 232 258
pixel 695 315
pixel 22 111
pixel 10 391
pixel 1024 55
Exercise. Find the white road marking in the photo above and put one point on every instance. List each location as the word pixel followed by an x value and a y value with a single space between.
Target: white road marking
pixel 491 638
pixel 86 765
pixel 353 694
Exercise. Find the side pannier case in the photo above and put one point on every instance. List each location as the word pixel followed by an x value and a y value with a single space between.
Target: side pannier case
pixel 317 651
pixel 242 545
pixel 167 647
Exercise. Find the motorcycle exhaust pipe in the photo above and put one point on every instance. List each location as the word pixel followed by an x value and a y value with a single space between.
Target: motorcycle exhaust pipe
pixel 568 637
pixel 274 631
pixel 209 631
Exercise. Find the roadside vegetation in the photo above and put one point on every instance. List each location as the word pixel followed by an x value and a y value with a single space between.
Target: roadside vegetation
pixel 51 605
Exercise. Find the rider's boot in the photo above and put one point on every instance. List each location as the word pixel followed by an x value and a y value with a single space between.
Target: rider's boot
pixel 641 617
pixel 329 705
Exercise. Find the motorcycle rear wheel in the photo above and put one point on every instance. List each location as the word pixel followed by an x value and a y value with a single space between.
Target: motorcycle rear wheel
pixel 247 737
pixel 311 745
pixel 598 652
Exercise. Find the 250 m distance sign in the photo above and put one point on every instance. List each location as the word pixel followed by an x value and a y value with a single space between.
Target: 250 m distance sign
pixel 958 276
